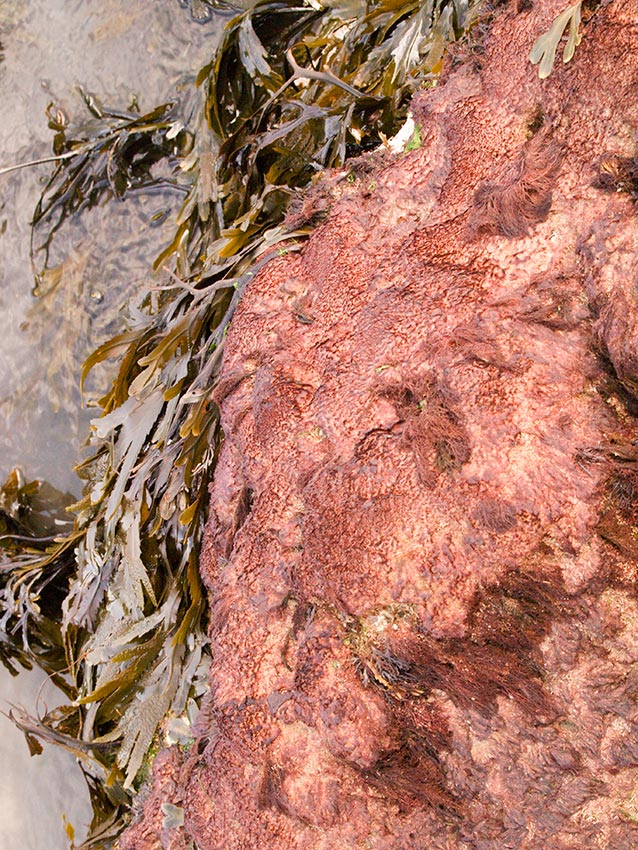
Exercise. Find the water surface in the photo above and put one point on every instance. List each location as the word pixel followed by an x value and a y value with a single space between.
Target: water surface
pixel 149 51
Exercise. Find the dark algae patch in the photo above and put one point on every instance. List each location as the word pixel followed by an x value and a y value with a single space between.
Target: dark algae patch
pixel 111 603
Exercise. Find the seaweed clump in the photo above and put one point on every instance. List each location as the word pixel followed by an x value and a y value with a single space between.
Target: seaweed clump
pixel 619 174
pixel 293 89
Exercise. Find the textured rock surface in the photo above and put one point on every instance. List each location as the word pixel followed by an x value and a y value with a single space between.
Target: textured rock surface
pixel 422 547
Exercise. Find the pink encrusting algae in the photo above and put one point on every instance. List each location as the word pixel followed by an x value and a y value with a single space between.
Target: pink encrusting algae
pixel 421 554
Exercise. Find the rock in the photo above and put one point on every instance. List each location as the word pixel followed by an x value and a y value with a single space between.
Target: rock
pixel 421 553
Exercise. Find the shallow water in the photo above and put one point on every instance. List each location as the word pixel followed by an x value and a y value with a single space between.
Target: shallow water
pixel 37 794
pixel 117 50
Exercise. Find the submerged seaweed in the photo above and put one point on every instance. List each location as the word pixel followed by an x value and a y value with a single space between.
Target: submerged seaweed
pixel 116 602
